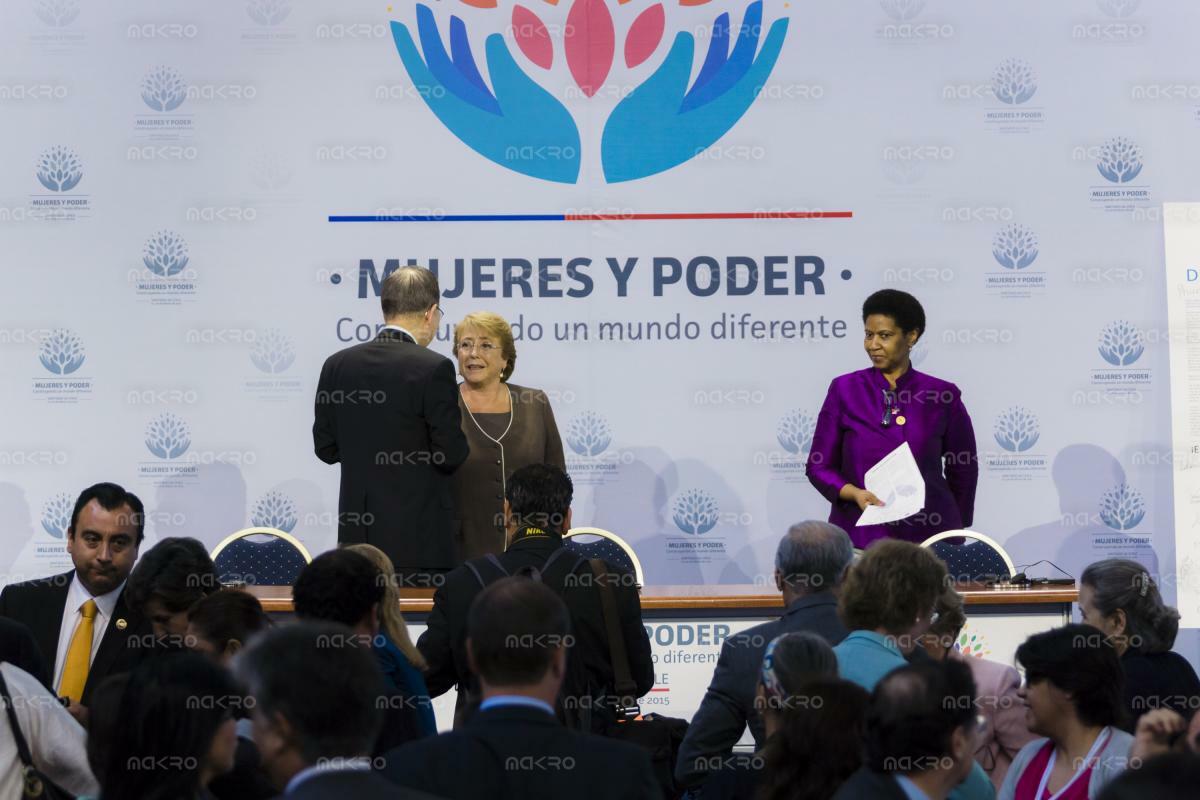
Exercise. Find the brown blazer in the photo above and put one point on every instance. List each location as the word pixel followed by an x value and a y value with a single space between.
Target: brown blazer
pixel 479 482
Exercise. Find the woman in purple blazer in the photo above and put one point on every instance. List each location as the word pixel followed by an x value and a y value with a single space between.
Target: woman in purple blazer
pixel 869 413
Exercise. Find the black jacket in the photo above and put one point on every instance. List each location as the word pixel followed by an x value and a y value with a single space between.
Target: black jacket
pixel 18 648
pixel 522 753
pixel 38 605
pixel 387 411
pixel 728 704
pixel 1158 680
pixel 444 642
pixel 350 785
pixel 866 784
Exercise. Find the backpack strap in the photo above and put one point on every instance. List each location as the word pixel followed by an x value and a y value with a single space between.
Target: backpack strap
pixel 626 688
pixel 475 563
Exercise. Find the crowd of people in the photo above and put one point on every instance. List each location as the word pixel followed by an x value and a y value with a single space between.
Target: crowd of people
pixel 139 675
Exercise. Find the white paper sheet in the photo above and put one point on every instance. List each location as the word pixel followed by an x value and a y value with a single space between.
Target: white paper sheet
pixel 897 481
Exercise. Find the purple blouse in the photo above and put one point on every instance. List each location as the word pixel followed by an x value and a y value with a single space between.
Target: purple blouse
pixel 850 438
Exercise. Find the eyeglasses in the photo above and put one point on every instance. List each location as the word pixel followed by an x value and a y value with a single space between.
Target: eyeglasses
pixel 486 348
pixel 441 313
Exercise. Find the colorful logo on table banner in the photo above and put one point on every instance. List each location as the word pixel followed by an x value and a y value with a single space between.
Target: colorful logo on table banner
pixel 56 514
pixel 695 512
pixel 168 436
pixel 1013 82
pixel 588 434
pixel 1122 508
pixel 971 645
pixel 514 119
pixel 61 352
pixel 1119 160
pixel 1015 247
pixel 1121 344
pixel 274 510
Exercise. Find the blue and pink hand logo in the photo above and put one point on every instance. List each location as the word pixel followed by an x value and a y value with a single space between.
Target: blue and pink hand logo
pixel 663 122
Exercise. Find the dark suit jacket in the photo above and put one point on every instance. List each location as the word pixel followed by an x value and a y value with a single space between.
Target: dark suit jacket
pixel 38 604
pixel 18 648
pixel 351 785
pixel 728 705
pixel 444 642
pixel 387 410
pixel 522 754
pixel 869 785
pixel 1158 680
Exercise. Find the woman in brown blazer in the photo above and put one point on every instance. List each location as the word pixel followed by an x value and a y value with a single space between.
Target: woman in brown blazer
pixel 507 427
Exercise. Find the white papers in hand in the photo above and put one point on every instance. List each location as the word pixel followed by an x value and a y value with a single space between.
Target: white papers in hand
pixel 897 481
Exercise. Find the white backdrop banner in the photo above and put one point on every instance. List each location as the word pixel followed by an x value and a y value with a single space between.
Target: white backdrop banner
pixel 680 207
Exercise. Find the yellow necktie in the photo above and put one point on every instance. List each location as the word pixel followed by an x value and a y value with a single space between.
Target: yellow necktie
pixel 79 655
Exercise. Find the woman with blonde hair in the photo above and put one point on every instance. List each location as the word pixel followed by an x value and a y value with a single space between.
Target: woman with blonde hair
pixel 507 427
pixel 400 660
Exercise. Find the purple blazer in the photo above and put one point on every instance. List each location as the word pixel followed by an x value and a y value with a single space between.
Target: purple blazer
pixel 850 438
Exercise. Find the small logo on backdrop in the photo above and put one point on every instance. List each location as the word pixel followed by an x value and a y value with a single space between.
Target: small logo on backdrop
pixel 61 353
pixel 56 514
pixel 268 12
pixel 1119 160
pixel 902 10
pixel 1017 431
pixel 1015 248
pixel 905 25
pixel 166 276
pixel 274 510
pixel 1118 8
pixel 273 353
pixel 1122 508
pixel 56 13
pixel 57 37
pixel 591 460
pixel 163 89
pixel 1013 82
pixel 1122 344
pixel 266 30
pixel 168 437
pixel 794 434
pixel 695 512
pixel 59 170
pixel 1117 25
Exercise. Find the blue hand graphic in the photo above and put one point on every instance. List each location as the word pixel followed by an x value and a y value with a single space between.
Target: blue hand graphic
pixel 662 123
pixel 517 124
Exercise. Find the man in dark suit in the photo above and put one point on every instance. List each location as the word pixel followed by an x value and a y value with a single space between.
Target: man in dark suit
pixel 537 511
pixel 922 734
pixel 387 410
pixel 809 564
pixel 315 712
pixel 513 747
pixel 18 648
pixel 80 618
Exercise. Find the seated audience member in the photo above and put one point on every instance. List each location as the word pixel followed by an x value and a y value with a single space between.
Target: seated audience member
pixel 809 564
pixel 538 512
pixel 167 581
pixel 922 733
pixel 81 620
pixel 219 626
pixel 1073 694
pixel 173 733
pixel 345 587
pixel 1120 598
pixel 513 747
pixel 996 687
pixel 18 648
pixel 887 602
pixel 400 660
pixel 1174 776
pixel 316 713
pixel 815 727
pixel 57 743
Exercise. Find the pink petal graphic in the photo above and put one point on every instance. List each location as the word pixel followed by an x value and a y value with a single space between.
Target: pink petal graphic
pixel 590 44
pixel 532 37
pixel 645 34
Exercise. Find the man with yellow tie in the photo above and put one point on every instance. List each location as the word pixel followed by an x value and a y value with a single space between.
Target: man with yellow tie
pixel 79 618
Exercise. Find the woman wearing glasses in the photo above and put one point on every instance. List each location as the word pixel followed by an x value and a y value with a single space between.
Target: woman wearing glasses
pixel 869 413
pixel 507 427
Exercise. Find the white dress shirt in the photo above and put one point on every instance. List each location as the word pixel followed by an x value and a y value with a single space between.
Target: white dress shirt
pixel 405 331
pixel 77 595
pixel 57 743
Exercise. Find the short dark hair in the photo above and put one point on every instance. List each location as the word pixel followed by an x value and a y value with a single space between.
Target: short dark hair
pixel 281 669
pixel 409 290
pixel 514 626
pixel 1170 776
pixel 892 584
pixel 1079 660
pixel 177 572
pixel 540 495
pixel 914 711
pixel 228 614
pixel 901 306
pixel 111 497
pixel 1120 584
pixel 338 586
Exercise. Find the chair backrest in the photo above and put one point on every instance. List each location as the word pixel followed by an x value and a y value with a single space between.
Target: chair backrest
pixel 980 560
pixel 606 545
pixel 260 556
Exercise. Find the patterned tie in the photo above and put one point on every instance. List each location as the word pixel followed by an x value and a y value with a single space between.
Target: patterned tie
pixel 79 655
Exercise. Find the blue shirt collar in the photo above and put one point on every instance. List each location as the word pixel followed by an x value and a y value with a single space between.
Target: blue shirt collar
pixel 887 642
pixel 328 765
pixel 911 791
pixel 502 700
